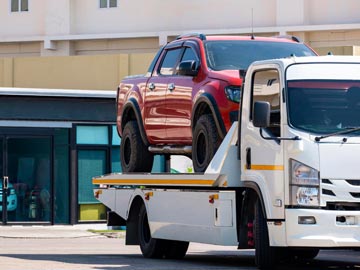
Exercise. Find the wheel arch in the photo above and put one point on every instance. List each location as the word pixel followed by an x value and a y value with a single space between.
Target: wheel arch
pixel 132 237
pixel 246 213
pixel 206 104
pixel 131 111
pixel 255 193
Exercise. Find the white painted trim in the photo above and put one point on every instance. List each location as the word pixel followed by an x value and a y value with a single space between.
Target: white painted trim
pixel 38 124
pixel 10 91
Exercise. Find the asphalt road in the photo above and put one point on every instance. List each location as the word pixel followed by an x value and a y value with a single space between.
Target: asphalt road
pixel 100 252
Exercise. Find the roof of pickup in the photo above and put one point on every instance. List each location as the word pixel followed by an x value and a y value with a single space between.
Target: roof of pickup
pixel 286 38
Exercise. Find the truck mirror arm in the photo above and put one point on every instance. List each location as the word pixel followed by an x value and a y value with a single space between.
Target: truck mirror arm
pixel 295 138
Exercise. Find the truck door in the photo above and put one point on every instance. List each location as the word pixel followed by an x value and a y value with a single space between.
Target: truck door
pixel 179 101
pixel 262 159
pixel 155 111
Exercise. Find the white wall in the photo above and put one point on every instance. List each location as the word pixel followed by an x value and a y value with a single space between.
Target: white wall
pixel 57 20
pixel 170 15
pixel 333 11
pixel 61 25
pixel 55 17
pixel 21 24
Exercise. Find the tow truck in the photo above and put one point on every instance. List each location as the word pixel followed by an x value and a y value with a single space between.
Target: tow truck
pixel 284 181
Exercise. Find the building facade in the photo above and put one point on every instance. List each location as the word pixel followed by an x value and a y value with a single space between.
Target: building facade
pixel 83 27
pixel 53 141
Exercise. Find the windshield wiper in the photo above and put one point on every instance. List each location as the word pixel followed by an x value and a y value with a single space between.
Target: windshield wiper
pixel 346 130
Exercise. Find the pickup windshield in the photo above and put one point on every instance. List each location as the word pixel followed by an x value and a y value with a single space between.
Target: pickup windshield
pixel 239 54
pixel 324 106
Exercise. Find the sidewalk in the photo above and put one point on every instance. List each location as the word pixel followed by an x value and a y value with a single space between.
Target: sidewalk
pixel 54 231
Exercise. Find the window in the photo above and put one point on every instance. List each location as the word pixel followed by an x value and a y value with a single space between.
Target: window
pixel 169 62
pixel 266 87
pixel 92 135
pixel 189 55
pixel 239 54
pixel 19 5
pixel 91 162
pixel 108 3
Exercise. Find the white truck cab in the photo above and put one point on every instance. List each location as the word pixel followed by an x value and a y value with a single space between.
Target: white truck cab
pixel 285 180
pixel 301 146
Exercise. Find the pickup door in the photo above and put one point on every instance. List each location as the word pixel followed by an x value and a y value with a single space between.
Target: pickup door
pixel 168 99
pixel 154 108
pixel 179 97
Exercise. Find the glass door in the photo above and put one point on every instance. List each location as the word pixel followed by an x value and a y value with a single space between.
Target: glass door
pixel 27 174
pixel 3 185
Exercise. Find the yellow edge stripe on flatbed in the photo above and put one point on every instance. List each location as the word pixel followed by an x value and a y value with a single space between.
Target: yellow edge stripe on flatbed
pixel 203 182
pixel 267 167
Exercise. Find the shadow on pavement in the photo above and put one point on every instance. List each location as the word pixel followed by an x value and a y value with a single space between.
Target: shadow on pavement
pixel 218 260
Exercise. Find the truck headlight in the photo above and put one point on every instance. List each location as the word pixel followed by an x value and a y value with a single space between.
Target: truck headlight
pixel 233 93
pixel 304 185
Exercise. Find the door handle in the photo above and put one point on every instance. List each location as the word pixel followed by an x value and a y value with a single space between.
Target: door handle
pixel 171 87
pixel 6 182
pixel 248 158
pixel 151 86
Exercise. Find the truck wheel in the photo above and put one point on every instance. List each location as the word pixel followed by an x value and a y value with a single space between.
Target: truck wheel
pixel 176 249
pixel 265 255
pixel 134 155
pixel 150 247
pixel 206 141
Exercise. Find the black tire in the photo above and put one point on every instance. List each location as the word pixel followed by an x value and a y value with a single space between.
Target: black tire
pixel 150 247
pixel 175 249
pixel 134 155
pixel 206 141
pixel 266 257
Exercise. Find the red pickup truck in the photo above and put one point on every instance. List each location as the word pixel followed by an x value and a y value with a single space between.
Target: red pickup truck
pixel 190 96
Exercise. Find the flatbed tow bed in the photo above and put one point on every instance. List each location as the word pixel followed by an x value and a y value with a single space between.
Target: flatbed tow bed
pixel 215 175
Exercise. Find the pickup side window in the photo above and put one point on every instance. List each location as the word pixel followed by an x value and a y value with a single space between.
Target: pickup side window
pixel 189 55
pixel 170 61
pixel 266 87
pixel 153 63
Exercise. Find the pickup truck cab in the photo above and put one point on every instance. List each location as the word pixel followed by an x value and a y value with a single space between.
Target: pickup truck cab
pixel 190 96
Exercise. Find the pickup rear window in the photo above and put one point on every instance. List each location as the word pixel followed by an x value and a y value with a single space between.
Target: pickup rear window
pixel 239 54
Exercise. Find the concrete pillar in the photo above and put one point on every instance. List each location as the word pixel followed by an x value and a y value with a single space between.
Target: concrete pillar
pixel 58 22
pixel 57 48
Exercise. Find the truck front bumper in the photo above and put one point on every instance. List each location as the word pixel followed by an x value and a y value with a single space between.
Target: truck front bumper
pixel 333 229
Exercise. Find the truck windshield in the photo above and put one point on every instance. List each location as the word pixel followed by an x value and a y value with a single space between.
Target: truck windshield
pixel 324 106
pixel 239 54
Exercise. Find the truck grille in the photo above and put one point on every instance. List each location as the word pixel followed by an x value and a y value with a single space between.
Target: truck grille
pixel 340 194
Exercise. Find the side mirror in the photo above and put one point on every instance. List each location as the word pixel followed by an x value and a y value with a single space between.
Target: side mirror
pixel 261 114
pixel 187 68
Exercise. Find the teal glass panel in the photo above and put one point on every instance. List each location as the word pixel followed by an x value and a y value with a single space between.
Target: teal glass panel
pixel 116 140
pixel 29 172
pixel 61 176
pixel 115 159
pixel 92 135
pixel 90 163
pixel 159 164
